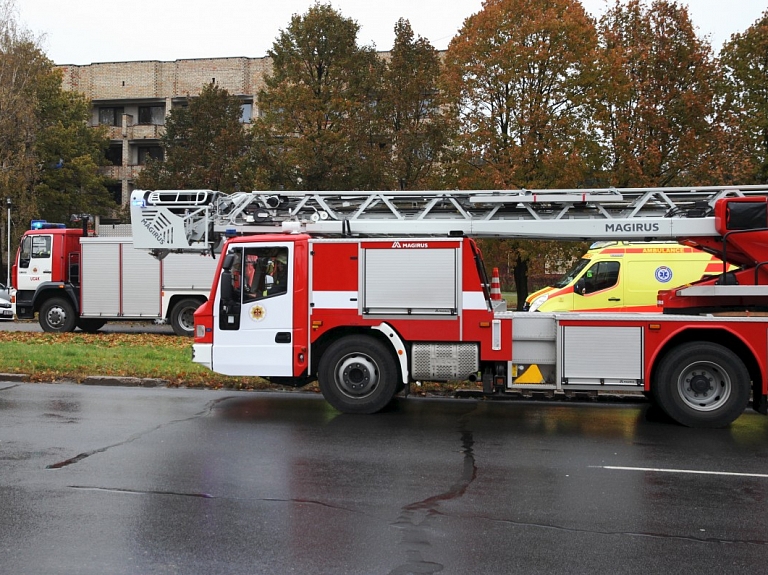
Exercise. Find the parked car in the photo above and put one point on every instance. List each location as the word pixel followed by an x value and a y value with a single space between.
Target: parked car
pixel 6 308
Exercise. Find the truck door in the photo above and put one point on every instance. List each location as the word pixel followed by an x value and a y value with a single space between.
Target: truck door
pixel 35 264
pixel 600 288
pixel 253 331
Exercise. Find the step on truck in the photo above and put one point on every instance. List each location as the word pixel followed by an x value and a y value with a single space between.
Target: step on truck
pixel 369 292
pixel 72 280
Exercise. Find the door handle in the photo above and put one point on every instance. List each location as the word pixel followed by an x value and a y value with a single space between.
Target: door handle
pixel 283 337
pixel 614 299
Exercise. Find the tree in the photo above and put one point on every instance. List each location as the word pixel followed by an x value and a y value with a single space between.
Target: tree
pixel 519 75
pixel 411 106
pixel 318 129
pixel 205 145
pixel 69 153
pixel 658 110
pixel 746 67
pixel 49 158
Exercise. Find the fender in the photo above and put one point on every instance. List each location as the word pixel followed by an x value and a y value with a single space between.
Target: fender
pixel 45 290
pixel 398 346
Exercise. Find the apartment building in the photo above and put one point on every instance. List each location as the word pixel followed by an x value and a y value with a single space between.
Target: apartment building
pixel 133 99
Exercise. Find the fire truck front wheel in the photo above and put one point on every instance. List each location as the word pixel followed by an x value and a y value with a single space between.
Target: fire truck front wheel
pixel 57 315
pixel 357 375
pixel 702 384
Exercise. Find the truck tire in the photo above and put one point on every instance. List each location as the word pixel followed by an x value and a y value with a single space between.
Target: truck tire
pixel 702 384
pixel 90 324
pixel 357 374
pixel 57 315
pixel 182 316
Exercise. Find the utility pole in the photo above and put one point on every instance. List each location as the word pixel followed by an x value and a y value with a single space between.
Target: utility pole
pixel 8 225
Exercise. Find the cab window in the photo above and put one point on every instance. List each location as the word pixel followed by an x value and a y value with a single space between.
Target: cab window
pixel 41 246
pixel 34 247
pixel 600 276
pixel 260 273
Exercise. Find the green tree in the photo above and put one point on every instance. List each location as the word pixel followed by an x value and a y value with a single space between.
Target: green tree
pixel 519 75
pixel 48 157
pixel 205 146
pixel 69 153
pixel 411 106
pixel 745 61
pixel 659 105
pixel 318 128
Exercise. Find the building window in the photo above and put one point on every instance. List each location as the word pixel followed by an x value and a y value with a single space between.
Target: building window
pixel 154 115
pixel 246 111
pixel 115 155
pixel 147 152
pixel 111 116
pixel 116 191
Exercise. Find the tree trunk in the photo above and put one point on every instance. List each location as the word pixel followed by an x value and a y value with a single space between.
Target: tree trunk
pixel 521 281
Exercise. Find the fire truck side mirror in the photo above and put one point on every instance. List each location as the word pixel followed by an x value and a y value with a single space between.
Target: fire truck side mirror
pixel 229 259
pixel 227 291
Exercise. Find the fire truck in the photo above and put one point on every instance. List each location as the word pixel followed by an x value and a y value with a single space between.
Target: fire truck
pixel 368 292
pixel 71 279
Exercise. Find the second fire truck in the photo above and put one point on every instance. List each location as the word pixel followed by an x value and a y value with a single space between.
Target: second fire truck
pixel 369 292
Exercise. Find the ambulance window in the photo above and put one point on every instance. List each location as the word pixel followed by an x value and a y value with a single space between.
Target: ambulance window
pixel 600 276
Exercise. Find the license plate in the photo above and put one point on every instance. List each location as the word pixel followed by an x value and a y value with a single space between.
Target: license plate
pixel 6 313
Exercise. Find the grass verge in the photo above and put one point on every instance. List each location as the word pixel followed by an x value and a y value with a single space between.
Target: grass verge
pixel 75 356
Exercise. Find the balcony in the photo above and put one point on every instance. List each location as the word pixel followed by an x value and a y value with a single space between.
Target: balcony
pixel 137 132
pixel 121 172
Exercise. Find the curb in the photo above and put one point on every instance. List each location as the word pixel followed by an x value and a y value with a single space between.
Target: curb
pixel 98 380
pixel 14 377
pixel 124 381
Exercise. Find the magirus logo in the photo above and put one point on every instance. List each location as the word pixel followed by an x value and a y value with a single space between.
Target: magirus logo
pixel 406 245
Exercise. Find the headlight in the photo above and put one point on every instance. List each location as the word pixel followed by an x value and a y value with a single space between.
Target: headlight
pixel 538 302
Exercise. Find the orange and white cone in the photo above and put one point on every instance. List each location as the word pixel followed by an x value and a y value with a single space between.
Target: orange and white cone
pixel 495 285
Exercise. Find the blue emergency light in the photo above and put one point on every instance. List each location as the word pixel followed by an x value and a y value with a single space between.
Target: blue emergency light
pixel 44 225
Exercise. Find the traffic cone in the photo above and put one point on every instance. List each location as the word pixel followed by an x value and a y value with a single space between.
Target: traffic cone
pixel 495 285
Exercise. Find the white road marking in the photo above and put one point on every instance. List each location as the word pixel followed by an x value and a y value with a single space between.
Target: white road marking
pixel 693 471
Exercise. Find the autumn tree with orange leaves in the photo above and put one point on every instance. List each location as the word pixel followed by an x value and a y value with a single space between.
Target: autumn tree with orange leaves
pixel 745 62
pixel 660 115
pixel 519 76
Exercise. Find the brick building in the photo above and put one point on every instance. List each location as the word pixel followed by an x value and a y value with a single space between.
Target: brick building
pixel 133 99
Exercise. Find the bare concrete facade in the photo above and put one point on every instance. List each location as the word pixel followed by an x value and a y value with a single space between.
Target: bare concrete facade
pixel 133 99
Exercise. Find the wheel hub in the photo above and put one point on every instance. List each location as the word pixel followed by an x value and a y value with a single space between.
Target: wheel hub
pixel 56 317
pixel 357 376
pixel 701 384
pixel 704 386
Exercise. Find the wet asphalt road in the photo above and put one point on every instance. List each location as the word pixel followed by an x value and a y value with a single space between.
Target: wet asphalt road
pixel 125 481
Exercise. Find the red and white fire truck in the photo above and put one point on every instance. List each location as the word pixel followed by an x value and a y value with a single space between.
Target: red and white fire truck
pixel 71 279
pixel 369 292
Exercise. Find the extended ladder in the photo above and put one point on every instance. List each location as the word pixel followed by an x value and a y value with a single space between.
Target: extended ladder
pixel 197 220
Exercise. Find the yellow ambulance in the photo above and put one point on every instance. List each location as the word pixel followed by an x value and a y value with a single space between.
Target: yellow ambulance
pixel 624 276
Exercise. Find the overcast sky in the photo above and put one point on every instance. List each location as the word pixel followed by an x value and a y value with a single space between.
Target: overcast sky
pixel 87 31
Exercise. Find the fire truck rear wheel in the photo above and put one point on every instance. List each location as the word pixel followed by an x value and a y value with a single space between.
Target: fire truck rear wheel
pixel 702 384
pixel 183 316
pixel 357 374
pixel 90 324
pixel 57 315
